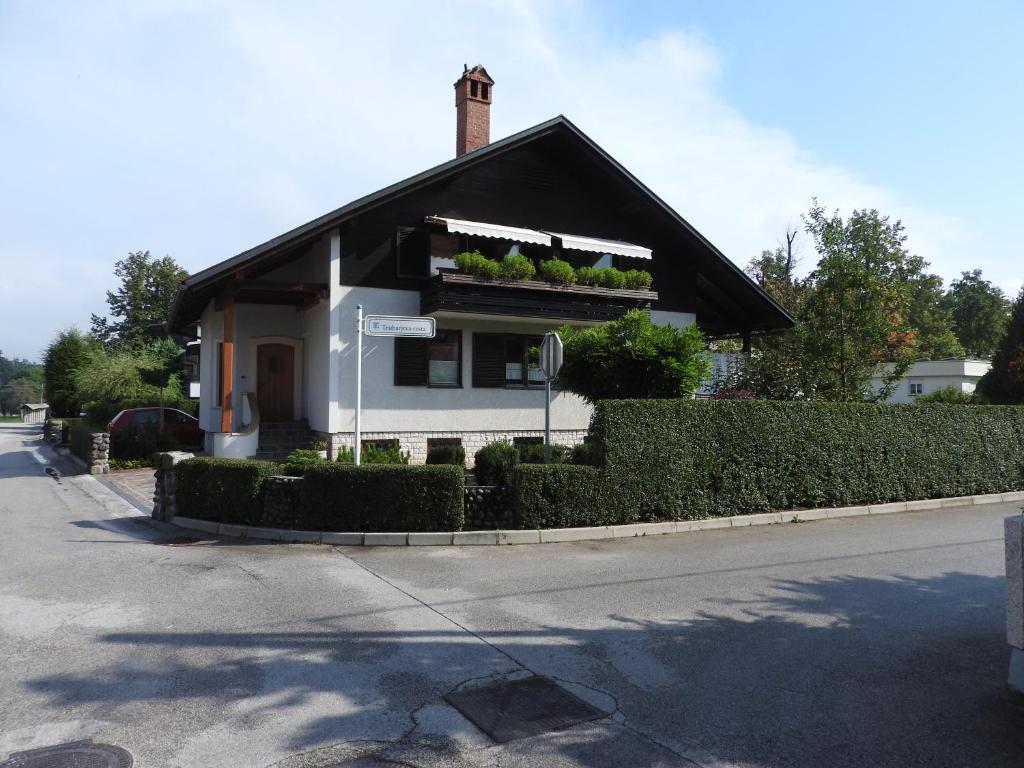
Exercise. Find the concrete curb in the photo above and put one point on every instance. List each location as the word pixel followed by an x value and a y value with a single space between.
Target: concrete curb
pixel 553 535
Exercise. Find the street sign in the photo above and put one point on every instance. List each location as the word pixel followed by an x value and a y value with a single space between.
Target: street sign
pixel 551 355
pixel 392 325
pixel 550 365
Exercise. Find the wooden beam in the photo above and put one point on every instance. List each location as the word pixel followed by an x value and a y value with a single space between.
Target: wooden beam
pixel 227 411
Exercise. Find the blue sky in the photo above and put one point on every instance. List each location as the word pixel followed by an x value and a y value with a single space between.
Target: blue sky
pixel 200 129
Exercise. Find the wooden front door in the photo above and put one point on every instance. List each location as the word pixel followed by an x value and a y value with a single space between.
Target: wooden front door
pixel 275 382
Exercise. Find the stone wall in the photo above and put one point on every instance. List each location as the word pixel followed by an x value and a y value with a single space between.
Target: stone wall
pixel 165 490
pixel 488 508
pixel 93 448
pixel 416 442
pixel 281 499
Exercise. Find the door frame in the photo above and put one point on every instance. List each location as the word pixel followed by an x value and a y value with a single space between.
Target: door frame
pixel 296 345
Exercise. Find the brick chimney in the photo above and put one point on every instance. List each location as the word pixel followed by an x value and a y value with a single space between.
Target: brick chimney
pixel 473 110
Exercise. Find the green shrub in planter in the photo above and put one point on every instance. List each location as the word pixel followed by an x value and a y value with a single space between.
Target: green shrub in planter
pixel 342 497
pixel 557 271
pixel 637 279
pixel 515 266
pixel 467 262
pixel 494 462
pixel 447 454
pixel 612 278
pixel 533 453
pixel 223 490
pixel 588 276
pixel 557 496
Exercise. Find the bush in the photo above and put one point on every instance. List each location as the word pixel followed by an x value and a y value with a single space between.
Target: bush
pixel 557 271
pixel 612 278
pixel 140 442
pixel 223 490
pixel 374 454
pixel 583 454
pixel 951 395
pixel 81 440
pixel 494 462
pixel 637 279
pixel 588 276
pixel 467 262
pixel 515 266
pixel 696 459
pixel 339 497
pixel 533 453
pixel 297 461
pixel 556 496
pixel 116 464
pixel 447 454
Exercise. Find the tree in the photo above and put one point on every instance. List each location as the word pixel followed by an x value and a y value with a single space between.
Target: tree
pixel 633 358
pixel 62 360
pixel 855 307
pixel 979 310
pixel 26 387
pixel 141 305
pixel 1005 380
pixel 928 313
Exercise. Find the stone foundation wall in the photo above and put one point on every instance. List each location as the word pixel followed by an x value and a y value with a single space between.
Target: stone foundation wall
pixel 488 508
pixel 416 442
pixel 281 499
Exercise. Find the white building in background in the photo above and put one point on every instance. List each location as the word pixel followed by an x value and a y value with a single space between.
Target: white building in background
pixel 927 376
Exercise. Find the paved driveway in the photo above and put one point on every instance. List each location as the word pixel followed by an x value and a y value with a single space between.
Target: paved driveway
pixel 855 642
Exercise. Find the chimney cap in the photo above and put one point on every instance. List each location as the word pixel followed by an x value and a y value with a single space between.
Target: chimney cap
pixel 476 72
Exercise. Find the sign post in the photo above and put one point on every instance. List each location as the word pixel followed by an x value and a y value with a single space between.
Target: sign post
pixel 382 325
pixel 550 364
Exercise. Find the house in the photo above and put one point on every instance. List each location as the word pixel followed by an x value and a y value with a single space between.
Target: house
pixel 278 321
pixel 927 376
pixel 34 413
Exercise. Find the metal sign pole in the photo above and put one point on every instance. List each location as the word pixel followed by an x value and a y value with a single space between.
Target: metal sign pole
pixel 359 379
pixel 550 363
pixel 547 420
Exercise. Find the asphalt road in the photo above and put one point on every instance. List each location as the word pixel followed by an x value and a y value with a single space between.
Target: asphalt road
pixel 852 642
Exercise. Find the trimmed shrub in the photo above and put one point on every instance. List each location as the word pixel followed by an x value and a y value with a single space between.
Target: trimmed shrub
pixel 223 490
pixel 583 453
pixel 340 497
pixel 515 266
pixel 612 278
pixel 637 279
pixel 296 462
pixel 533 453
pixel 557 271
pixel 493 463
pixel 81 439
pixel 447 454
pixel 374 454
pixel 556 496
pixel 695 459
pixel 140 442
pixel 588 276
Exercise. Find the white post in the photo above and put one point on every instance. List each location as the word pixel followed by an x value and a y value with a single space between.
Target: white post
pixel 359 378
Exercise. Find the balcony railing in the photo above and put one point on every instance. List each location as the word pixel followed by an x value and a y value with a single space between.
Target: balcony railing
pixel 456 292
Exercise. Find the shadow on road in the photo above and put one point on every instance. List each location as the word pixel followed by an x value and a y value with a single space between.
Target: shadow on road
pixel 844 671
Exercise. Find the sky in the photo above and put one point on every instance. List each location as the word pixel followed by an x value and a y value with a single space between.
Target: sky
pixel 200 129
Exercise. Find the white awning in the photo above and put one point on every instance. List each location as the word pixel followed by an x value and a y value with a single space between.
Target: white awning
pixel 500 231
pixel 594 245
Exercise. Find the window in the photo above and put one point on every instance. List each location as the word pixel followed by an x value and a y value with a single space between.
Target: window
pixel 485 90
pixel 916 388
pixel 435 362
pixel 474 88
pixel 506 360
pixel 436 442
pixel 146 417
pixel 443 248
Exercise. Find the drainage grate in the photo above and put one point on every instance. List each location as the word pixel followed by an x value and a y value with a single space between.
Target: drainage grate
pixel 522 708
pixel 77 754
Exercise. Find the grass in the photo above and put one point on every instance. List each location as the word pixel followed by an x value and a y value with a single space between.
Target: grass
pixel 9 419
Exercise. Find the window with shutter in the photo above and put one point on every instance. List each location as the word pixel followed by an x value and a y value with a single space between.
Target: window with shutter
pixel 488 360
pixel 412 248
pixel 411 362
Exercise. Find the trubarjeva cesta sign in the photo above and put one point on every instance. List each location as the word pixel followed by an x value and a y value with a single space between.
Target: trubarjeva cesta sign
pixel 385 325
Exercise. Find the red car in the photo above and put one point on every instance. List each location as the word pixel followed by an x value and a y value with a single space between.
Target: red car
pixel 185 428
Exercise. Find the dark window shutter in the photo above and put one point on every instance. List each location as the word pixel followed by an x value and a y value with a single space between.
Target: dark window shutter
pixel 413 249
pixel 488 360
pixel 410 362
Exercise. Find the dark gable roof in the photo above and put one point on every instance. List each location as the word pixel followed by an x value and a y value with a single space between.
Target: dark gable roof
pixel 315 228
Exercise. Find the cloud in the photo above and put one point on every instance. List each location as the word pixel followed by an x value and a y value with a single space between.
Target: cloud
pixel 200 130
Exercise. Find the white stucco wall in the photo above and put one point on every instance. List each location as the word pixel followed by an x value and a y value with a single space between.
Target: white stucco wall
pixel 934 375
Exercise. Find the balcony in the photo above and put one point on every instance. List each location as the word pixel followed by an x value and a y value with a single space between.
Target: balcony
pixel 456 293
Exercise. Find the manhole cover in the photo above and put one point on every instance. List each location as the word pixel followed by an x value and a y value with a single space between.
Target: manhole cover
pixel 77 754
pixel 522 708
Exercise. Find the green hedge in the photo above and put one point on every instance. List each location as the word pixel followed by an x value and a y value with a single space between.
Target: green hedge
pixel 383 497
pixel 223 490
pixel 81 439
pixel 557 496
pixel 695 459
